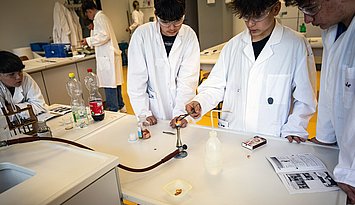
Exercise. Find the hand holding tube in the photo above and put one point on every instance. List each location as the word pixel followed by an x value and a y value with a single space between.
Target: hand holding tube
pixel 194 109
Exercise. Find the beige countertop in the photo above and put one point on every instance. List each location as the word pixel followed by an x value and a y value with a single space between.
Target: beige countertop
pixel 39 64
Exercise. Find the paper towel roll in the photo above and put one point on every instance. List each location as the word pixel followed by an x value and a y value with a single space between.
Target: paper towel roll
pixel 25 51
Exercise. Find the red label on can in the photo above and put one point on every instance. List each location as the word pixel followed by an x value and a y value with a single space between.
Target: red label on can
pixel 96 107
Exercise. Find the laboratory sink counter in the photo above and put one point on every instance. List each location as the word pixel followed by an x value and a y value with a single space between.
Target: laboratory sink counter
pixel 247 177
pixel 60 172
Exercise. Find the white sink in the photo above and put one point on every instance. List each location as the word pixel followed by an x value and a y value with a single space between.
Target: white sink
pixel 12 175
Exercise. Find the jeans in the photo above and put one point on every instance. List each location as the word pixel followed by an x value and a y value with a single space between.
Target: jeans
pixel 114 100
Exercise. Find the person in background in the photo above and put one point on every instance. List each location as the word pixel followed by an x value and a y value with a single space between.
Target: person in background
pixel 262 76
pixel 137 17
pixel 163 64
pixel 108 60
pixel 17 87
pixel 336 109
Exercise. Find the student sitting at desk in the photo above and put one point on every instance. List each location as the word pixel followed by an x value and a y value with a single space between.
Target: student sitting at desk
pixel 17 87
pixel 263 76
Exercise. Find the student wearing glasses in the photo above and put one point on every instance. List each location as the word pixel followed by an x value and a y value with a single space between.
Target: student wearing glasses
pixel 264 76
pixel 163 64
pixel 17 87
pixel 336 109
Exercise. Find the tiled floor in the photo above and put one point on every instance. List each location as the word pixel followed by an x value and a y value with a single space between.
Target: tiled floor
pixel 206 119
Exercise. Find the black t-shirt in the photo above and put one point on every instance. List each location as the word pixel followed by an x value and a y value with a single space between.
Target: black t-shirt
pixel 168 43
pixel 259 45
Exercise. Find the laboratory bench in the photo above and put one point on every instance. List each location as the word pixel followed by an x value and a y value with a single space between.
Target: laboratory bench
pixel 51 75
pixel 246 178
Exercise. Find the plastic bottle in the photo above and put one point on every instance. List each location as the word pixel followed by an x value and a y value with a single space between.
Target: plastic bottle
pixel 77 103
pixel 142 127
pixel 213 154
pixel 95 99
pixel 303 29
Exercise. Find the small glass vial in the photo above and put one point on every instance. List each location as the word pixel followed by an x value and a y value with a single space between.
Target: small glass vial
pixel 43 130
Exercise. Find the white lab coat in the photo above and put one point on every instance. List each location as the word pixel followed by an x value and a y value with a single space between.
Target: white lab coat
pixel 27 93
pixel 336 110
pixel 61 29
pixel 137 20
pixel 159 85
pixel 108 55
pixel 260 93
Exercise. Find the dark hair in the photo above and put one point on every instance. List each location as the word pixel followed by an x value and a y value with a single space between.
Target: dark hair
pixel 251 7
pixel 169 10
pixel 88 4
pixel 294 2
pixel 135 4
pixel 10 62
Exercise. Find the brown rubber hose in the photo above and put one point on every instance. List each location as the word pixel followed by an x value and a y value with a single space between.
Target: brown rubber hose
pixel 32 139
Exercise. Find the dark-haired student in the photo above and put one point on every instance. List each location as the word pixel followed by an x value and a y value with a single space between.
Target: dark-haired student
pixel 336 109
pixel 263 76
pixel 163 64
pixel 17 87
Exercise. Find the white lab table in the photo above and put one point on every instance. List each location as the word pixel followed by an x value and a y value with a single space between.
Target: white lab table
pixel 244 179
pixel 60 172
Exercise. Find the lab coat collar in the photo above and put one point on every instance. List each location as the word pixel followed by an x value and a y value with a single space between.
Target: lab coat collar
pixel 267 51
pixel 159 38
pixel 97 13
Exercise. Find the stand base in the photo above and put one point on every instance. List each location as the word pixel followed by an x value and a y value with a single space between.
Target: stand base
pixel 181 155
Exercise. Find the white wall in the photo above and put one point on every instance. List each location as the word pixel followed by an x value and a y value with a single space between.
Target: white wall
pixel 25 21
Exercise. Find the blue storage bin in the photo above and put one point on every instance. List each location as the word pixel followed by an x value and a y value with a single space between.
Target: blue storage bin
pixel 58 50
pixel 36 47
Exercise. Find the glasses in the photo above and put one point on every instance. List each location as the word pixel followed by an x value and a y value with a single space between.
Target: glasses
pixel 176 23
pixel 260 17
pixel 310 9
pixel 12 75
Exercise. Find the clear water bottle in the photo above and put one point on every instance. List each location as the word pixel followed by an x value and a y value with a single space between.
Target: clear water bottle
pixel 213 154
pixel 95 99
pixel 77 103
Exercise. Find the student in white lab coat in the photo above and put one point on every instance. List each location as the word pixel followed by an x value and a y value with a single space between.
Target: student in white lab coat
pixel 17 87
pixel 137 17
pixel 163 64
pixel 108 59
pixel 262 77
pixel 336 109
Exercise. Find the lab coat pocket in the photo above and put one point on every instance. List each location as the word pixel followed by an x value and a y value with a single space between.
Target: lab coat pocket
pixel 278 89
pixel 103 63
pixel 153 102
pixel 349 86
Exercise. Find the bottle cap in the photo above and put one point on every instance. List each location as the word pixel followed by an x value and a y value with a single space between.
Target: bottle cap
pixel 71 75
pixel 89 70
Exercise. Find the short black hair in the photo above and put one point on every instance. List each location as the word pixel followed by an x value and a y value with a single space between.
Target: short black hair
pixel 294 2
pixel 251 7
pixel 10 62
pixel 135 4
pixel 88 4
pixel 169 10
